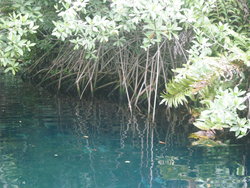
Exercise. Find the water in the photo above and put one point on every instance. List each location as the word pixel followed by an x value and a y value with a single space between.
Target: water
pixel 56 142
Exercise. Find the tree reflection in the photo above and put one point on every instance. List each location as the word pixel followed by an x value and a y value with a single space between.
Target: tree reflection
pixel 162 159
pixel 9 173
pixel 217 168
pixel 72 144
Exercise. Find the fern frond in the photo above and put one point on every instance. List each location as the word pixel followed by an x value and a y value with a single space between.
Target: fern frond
pixel 197 81
pixel 177 92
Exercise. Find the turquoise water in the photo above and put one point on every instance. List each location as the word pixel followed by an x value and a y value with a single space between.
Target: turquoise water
pixel 56 142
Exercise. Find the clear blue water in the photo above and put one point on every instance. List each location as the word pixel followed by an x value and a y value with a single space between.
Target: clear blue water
pixel 56 142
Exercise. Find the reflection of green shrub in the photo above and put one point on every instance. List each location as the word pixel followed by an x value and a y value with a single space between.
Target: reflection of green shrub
pixel 216 169
pixel 174 172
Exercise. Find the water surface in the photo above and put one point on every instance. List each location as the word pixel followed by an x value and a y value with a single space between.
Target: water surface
pixel 56 142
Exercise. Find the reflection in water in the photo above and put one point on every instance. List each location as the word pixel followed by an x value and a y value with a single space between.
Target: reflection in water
pixel 8 171
pixel 46 141
pixel 160 163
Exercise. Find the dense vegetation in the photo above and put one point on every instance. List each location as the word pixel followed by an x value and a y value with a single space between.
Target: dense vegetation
pixel 199 49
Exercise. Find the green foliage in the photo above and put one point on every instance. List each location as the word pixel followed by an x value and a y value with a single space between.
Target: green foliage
pixel 197 80
pixel 177 91
pixel 15 30
pixel 82 29
pixel 222 112
pixel 155 19
pixel 233 13
pixel 218 58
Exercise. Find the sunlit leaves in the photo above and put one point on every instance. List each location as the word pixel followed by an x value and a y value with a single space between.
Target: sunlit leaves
pixel 222 112
pixel 157 19
pixel 84 32
pixel 14 29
